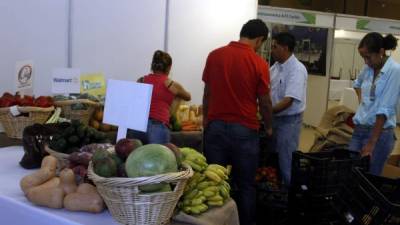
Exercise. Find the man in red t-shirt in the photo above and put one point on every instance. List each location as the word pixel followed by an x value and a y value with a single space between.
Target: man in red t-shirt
pixel 236 83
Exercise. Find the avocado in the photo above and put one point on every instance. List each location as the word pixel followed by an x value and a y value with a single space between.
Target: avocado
pixel 105 167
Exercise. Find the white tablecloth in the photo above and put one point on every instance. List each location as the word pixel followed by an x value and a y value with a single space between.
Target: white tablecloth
pixel 15 209
pixel 12 196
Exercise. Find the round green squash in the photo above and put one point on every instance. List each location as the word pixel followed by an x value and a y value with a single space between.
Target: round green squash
pixel 150 160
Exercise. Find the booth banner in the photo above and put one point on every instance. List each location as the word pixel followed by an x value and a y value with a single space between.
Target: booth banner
pixel 286 16
pixel 24 75
pixel 378 26
pixel 93 84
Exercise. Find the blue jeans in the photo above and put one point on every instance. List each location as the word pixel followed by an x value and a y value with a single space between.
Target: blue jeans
pixel 231 143
pixel 157 133
pixel 382 150
pixel 286 134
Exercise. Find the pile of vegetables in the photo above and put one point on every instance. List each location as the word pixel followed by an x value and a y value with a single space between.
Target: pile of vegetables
pixel 44 188
pixel 208 186
pixel 77 106
pixel 112 164
pixel 97 121
pixel 132 159
pixel 187 118
pixel 7 100
pixel 79 161
pixel 72 138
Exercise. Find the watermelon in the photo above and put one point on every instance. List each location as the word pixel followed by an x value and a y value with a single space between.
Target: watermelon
pixel 150 160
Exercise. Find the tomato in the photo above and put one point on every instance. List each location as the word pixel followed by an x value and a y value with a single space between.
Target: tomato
pixel 43 101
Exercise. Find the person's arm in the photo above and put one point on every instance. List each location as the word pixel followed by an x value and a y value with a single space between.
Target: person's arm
pixel 140 80
pixel 265 107
pixel 206 95
pixel 358 82
pixel 376 132
pixel 178 90
pixel 285 103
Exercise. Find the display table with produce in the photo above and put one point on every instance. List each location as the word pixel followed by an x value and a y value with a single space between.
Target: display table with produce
pixel 14 202
pixel 192 139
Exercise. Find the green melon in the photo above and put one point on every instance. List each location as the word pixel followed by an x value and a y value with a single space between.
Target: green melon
pixel 150 160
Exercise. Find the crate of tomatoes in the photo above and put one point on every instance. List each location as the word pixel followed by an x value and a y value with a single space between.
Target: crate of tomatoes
pixel 18 112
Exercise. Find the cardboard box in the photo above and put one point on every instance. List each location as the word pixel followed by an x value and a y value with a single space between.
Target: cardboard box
pixel 392 167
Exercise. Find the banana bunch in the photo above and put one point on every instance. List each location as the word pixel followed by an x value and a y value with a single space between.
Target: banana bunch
pixel 207 187
pixel 194 158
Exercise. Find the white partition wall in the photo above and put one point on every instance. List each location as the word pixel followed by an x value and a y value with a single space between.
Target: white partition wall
pixel 195 28
pixel 117 38
pixel 32 30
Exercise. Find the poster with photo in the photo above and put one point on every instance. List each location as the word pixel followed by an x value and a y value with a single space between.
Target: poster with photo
pixel 311 44
pixel 24 75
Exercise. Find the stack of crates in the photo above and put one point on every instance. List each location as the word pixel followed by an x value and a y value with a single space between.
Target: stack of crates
pixel 271 201
pixel 316 178
pixel 369 200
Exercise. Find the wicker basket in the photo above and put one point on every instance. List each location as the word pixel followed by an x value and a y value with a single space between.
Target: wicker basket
pixel 128 206
pixel 63 158
pixel 15 125
pixel 83 115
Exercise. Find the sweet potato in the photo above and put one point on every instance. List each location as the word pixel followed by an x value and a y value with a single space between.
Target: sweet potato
pixel 85 199
pixel 51 197
pixel 37 178
pixel 45 173
pixel 49 162
pixel 67 181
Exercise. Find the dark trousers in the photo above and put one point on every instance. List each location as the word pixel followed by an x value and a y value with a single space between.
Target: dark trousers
pixel 234 144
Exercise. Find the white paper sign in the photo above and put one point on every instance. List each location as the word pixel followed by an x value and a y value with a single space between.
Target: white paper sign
pixel 24 74
pixel 127 105
pixel 65 81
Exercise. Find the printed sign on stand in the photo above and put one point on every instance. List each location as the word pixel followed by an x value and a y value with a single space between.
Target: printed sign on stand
pixel 93 84
pixel 24 76
pixel 127 105
pixel 65 81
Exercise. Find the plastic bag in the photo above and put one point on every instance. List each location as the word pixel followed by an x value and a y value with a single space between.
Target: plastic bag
pixel 34 139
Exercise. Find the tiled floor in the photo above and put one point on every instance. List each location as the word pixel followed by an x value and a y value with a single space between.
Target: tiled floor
pixel 307 139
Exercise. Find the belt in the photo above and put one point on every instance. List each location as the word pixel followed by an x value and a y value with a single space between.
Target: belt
pixel 156 121
pixel 292 115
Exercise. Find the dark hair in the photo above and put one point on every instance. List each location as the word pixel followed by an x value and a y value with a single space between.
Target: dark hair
pixel 285 39
pixel 375 41
pixel 161 61
pixel 254 29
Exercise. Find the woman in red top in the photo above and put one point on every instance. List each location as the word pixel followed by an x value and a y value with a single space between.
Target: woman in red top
pixel 164 92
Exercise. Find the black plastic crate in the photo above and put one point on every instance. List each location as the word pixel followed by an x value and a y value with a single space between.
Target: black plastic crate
pixel 316 177
pixel 321 173
pixel 306 208
pixel 369 200
pixel 271 207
